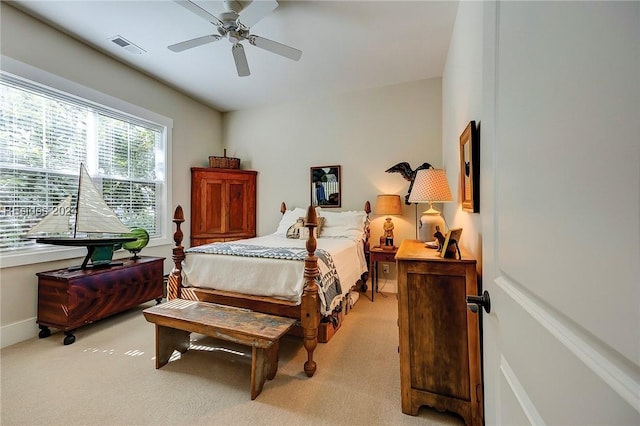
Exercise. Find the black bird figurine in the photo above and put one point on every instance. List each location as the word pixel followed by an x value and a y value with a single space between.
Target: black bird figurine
pixel 405 170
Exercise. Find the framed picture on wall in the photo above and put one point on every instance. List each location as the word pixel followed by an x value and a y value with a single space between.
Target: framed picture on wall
pixel 325 186
pixel 470 168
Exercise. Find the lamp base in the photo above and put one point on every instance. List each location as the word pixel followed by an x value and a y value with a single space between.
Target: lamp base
pixel 428 223
pixel 386 244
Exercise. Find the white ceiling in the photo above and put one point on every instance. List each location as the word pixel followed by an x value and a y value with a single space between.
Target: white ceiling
pixel 347 45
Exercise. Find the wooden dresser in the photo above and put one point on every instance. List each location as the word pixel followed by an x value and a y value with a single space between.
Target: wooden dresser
pixel 223 205
pixel 439 336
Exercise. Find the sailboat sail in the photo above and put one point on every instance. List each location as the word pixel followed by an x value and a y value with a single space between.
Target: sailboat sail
pixel 93 214
pixel 57 221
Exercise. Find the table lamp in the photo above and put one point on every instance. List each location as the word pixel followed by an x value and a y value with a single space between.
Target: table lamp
pixel 388 204
pixel 430 186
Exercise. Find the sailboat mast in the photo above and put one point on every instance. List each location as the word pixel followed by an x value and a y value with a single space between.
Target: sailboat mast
pixel 75 224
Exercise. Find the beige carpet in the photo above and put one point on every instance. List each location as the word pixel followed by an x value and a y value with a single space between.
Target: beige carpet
pixel 108 377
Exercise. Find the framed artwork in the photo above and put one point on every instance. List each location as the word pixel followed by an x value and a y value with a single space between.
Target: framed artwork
pixel 325 186
pixel 450 246
pixel 470 168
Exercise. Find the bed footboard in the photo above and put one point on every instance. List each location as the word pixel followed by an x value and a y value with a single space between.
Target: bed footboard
pixel 310 304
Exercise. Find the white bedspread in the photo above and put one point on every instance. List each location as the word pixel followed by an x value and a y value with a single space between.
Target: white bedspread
pixel 277 278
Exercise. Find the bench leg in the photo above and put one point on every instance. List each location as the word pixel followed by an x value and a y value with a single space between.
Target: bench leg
pixel 260 369
pixel 272 354
pixel 167 341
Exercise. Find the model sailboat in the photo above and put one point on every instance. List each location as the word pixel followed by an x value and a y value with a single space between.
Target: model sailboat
pixel 96 226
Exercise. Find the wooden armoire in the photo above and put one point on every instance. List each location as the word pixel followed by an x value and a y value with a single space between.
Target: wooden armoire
pixel 223 205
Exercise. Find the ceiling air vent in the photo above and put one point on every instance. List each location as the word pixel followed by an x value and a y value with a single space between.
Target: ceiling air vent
pixel 127 45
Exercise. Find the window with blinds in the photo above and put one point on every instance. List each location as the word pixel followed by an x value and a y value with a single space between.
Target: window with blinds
pixel 45 135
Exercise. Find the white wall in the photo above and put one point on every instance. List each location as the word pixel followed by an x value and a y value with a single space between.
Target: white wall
pixel 365 133
pixel 462 103
pixel 196 135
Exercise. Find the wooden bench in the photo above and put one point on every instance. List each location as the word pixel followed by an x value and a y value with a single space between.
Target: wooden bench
pixel 176 319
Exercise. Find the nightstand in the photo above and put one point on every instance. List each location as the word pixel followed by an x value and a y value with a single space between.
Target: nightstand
pixel 379 254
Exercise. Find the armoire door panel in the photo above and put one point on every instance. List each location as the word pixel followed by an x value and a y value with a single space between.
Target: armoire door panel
pixel 237 217
pixel 212 214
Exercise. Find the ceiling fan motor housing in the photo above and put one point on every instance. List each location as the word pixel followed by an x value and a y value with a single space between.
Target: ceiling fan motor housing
pixel 229 20
pixel 234 5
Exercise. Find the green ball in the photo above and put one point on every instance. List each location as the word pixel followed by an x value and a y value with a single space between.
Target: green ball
pixel 142 239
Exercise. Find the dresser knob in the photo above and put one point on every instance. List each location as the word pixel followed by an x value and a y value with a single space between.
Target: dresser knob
pixel 474 301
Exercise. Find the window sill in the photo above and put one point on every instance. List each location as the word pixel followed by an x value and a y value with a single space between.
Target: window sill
pixel 47 253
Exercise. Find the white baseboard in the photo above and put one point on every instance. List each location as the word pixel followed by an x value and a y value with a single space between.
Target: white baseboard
pixel 388 285
pixel 18 332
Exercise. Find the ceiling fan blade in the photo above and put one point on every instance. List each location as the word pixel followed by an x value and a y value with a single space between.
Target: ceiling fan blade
pixel 199 11
pixel 241 60
pixel 255 10
pixel 275 47
pixel 179 47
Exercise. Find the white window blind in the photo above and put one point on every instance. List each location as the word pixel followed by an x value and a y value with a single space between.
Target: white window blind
pixel 45 135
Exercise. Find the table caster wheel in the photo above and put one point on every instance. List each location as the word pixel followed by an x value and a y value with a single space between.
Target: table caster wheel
pixel 44 332
pixel 69 339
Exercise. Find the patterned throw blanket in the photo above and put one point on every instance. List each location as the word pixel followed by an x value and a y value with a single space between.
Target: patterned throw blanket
pixel 327 281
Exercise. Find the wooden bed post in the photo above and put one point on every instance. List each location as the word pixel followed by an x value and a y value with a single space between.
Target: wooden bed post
pixel 310 304
pixel 367 229
pixel 175 277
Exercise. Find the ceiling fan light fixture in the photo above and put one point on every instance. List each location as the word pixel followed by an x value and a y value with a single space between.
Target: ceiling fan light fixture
pixel 234 37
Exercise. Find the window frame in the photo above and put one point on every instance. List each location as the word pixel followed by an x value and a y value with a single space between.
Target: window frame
pixel 34 76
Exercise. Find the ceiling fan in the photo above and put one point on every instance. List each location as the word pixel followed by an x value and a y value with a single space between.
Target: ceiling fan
pixel 229 26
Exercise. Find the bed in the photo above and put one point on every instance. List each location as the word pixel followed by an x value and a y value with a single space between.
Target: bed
pixel 307 276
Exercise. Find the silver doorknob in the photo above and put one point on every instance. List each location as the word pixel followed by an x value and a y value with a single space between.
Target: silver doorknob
pixel 474 301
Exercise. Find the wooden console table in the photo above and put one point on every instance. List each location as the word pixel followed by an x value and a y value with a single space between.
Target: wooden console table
pixel 70 299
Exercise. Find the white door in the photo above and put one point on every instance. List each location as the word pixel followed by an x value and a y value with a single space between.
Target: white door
pixel 560 176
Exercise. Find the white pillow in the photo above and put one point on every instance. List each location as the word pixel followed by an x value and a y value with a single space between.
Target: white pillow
pixel 289 218
pixel 349 224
